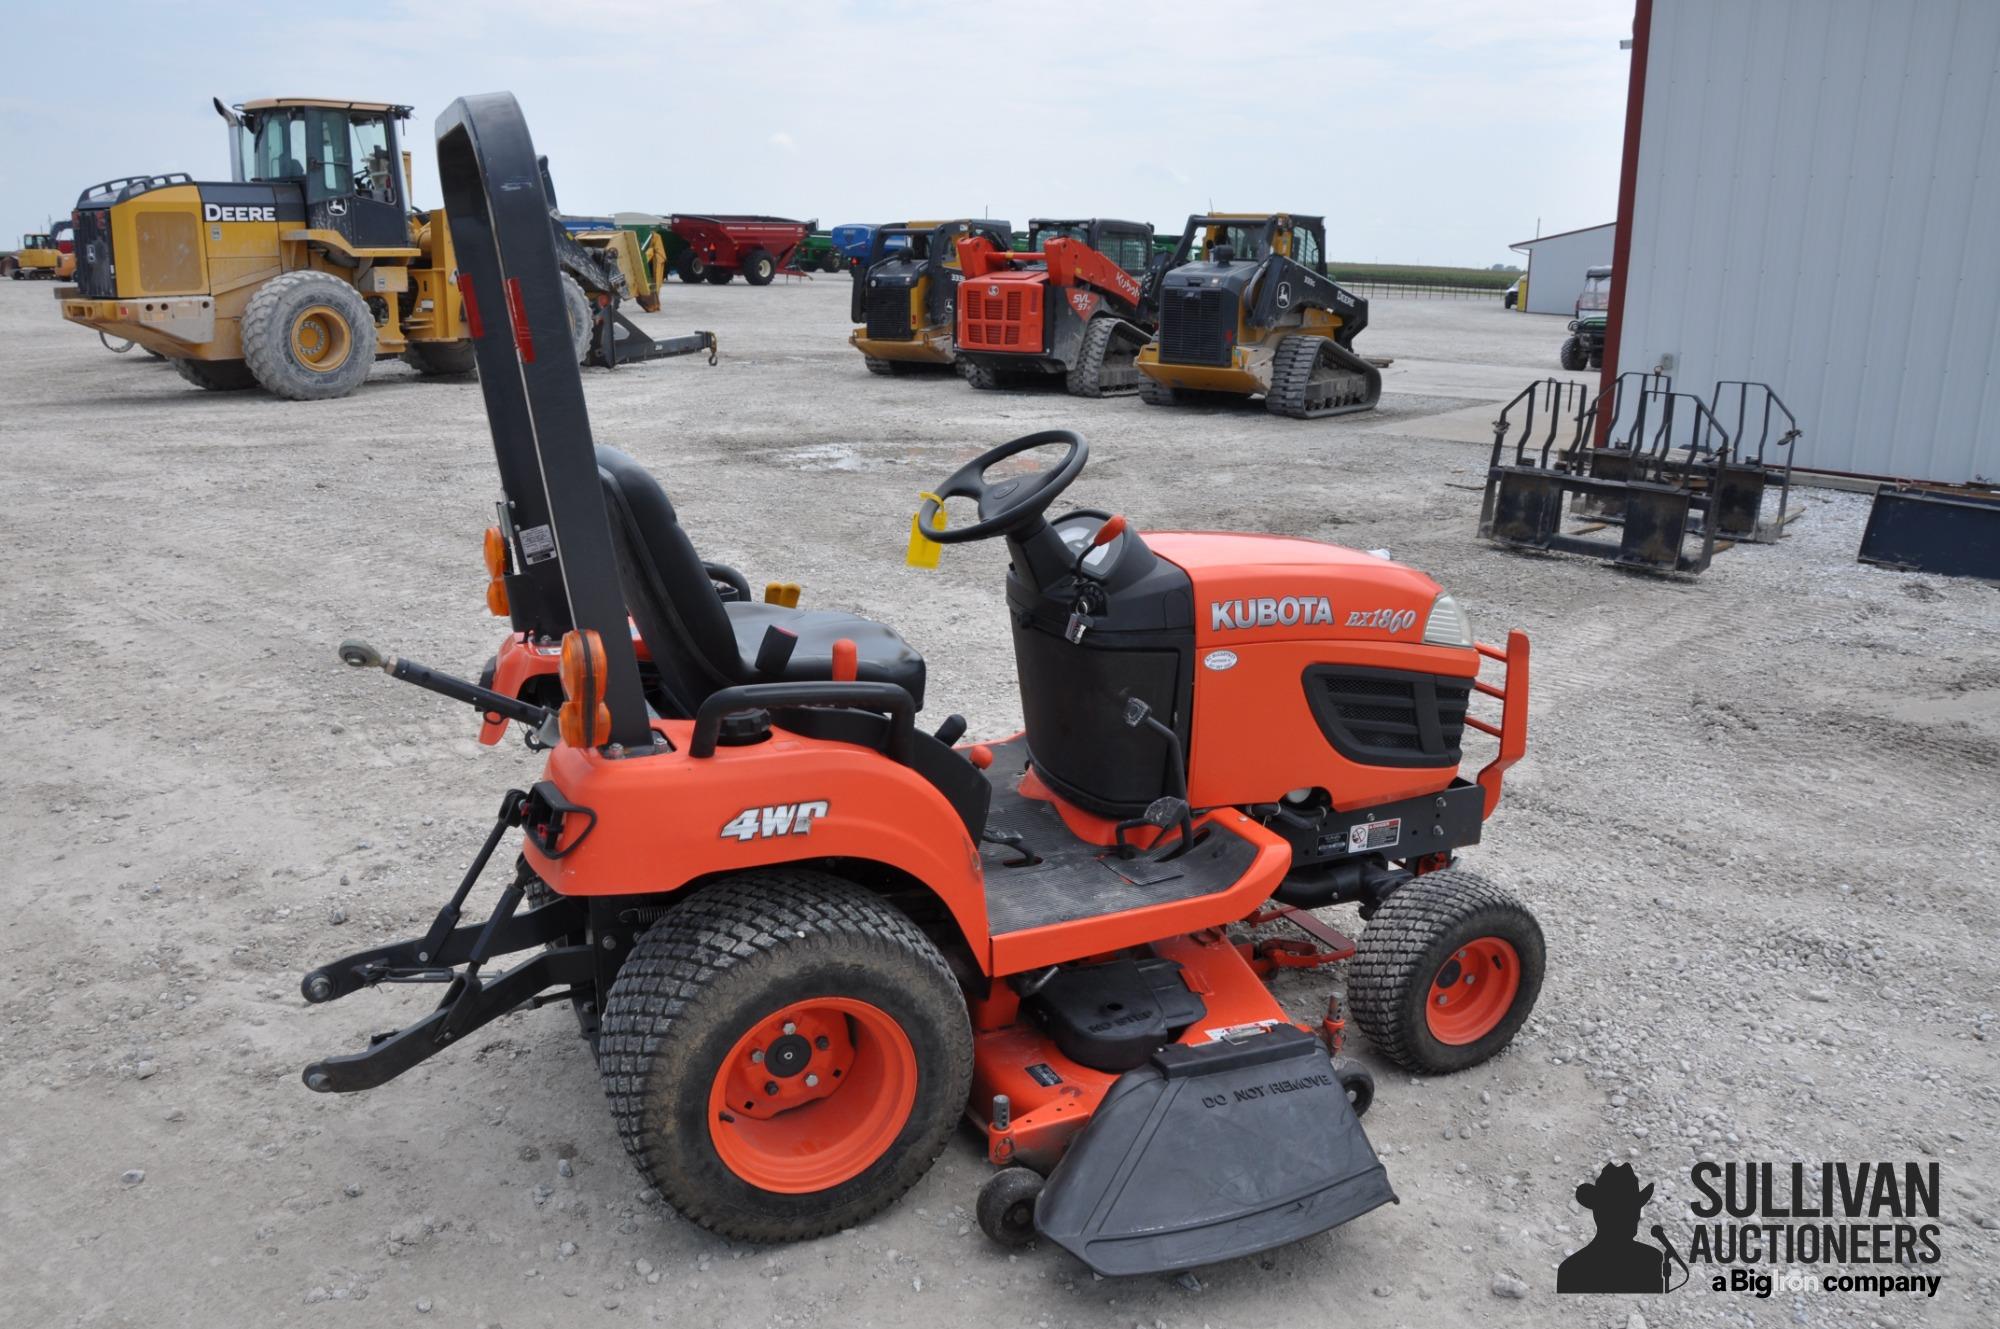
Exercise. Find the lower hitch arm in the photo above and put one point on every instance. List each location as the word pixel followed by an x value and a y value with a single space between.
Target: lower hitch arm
pixel 360 655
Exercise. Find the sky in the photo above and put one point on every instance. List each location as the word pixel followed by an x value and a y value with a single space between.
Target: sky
pixel 1426 131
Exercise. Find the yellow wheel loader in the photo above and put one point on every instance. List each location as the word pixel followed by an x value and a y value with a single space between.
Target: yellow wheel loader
pixel 309 264
pixel 1246 309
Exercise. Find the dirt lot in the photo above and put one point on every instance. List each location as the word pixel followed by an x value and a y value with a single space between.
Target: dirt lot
pixel 1756 820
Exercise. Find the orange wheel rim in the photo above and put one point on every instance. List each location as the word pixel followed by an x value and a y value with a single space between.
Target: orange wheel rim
pixel 812 1095
pixel 320 339
pixel 1473 991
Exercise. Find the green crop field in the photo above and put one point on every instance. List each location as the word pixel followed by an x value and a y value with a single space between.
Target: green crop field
pixel 1407 274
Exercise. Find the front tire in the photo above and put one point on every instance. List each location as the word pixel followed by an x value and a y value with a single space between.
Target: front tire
pixel 759 267
pixel 576 306
pixel 308 336
pixel 785 1055
pixel 1446 972
pixel 1572 355
pixel 691 266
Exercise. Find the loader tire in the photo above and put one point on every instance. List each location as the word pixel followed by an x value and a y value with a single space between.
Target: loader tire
pixel 308 336
pixel 582 324
pixel 1106 366
pixel 216 375
pixel 784 993
pixel 441 359
pixel 1447 937
pixel 1572 355
pixel 715 276
pixel 759 267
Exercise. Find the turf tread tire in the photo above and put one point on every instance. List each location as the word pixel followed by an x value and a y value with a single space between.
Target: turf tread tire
pixel 672 1004
pixel 267 336
pixel 1404 946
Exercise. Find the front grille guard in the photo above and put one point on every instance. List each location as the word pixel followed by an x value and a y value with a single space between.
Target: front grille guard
pixel 1511 729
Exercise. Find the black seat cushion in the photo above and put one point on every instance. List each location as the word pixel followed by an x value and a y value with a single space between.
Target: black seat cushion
pixel 881 656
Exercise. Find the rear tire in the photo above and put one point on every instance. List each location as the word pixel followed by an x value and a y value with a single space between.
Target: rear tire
pixel 216 375
pixel 1572 355
pixel 440 359
pixel 719 276
pixel 724 990
pixel 1433 942
pixel 577 306
pixel 308 336
pixel 759 267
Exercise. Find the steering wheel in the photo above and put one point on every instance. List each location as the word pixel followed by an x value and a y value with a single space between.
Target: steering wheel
pixel 1009 505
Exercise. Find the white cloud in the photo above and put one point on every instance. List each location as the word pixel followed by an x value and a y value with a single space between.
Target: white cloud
pixel 780 139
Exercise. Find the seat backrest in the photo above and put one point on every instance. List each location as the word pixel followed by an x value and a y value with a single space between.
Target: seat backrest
pixel 667 589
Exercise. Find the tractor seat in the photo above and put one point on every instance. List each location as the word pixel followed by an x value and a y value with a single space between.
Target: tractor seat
pixel 700 643
pixel 882 656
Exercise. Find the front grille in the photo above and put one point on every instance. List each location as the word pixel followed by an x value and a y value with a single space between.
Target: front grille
pixel 1000 322
pixel 888 311
pixel 94 274
pixel 1195 328
pixel 1385 717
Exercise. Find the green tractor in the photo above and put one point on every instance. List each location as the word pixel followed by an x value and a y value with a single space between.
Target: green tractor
pixel 1584 348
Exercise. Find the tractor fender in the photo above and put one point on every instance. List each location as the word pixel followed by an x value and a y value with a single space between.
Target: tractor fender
pixel 656 824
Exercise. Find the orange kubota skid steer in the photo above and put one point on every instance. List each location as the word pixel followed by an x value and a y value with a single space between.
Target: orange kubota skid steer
pixel 1080 303
pixel 808 938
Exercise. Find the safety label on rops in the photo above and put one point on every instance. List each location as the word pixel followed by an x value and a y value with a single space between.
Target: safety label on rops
pixel 537 543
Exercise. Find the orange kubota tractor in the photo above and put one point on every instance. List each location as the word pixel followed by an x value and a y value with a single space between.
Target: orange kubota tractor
pixel 807 938
pixel 1079 302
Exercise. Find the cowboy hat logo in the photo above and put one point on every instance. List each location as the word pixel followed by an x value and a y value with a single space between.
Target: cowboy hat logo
pixel 1615 1260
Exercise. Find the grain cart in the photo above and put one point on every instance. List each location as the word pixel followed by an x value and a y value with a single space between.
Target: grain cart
pixel 806 938
pixel 1078 302
pixel 722 245
pixel 906 298
pixel 309 264
pixel 1247 309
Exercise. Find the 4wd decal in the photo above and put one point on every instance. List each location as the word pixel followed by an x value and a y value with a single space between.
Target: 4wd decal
pixel 1270 611
pixel 778 819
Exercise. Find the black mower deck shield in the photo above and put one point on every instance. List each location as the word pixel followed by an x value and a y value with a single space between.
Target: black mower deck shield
pixel 1210 1153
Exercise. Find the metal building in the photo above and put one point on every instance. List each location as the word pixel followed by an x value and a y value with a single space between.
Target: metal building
pixel 1811 198
pixel 1556 264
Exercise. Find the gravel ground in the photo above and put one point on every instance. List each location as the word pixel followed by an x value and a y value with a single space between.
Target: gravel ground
pixel 1755 819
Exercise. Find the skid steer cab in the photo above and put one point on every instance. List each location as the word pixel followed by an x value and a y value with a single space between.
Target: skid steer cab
pixel 309 263
pixel 905 295
pixel 1078 302
pixel 808 937
pixel 1247 309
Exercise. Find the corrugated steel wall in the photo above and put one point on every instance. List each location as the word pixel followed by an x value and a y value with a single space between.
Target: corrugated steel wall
pixel 1556 266
pixel 1818 207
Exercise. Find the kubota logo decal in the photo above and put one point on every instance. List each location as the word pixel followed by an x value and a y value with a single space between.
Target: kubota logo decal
pixel 778 819
pixel 1270 611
